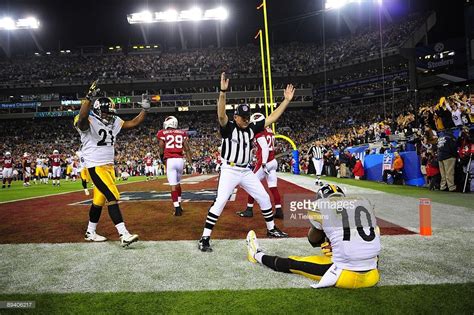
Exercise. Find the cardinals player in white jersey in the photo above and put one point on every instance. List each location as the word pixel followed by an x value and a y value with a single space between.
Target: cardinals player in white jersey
pixel 7 162
pixel 26 165
pixel 173 142
pixel 265 167
pixel 149 168
pixel 55 159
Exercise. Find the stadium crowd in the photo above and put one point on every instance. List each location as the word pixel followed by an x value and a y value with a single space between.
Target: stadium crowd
pixel 430 130
pixel 294 57
pixel 425 128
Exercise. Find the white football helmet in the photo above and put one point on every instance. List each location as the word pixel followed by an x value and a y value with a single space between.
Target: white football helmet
pixel 170 122
pixel 8 154
pixel 25 154
pixel 256 117
pixel 55 152
pixel 148 154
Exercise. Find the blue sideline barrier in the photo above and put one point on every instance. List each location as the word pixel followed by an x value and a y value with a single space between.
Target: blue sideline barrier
pixel 411 168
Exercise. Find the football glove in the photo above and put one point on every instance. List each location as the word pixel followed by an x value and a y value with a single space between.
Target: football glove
pixel 145 103
pixel 326 249
pixel 93 90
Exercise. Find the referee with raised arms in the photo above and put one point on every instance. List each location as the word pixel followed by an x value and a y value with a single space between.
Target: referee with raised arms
pixel 237 136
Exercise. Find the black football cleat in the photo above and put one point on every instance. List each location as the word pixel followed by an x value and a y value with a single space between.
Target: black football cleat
pixel 247 213
pixel 276 233
pixel 204 245
pixel 178 212
pixel 278 213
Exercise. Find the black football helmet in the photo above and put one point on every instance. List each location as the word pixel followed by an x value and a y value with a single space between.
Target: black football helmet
pixel 329 190
pixel 104 106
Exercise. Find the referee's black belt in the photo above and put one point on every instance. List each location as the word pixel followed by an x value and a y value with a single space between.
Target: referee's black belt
pixel 235 164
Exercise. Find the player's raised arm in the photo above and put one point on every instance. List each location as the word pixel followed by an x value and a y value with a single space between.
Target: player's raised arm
pixel 83 121
pixel 221 115
pixel 289 92
pixel 145 104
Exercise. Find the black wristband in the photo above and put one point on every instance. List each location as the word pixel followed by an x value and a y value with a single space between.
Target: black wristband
pixel 223 91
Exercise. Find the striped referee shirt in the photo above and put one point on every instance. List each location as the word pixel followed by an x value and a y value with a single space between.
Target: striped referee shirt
pixel 237 142
pixel 317 152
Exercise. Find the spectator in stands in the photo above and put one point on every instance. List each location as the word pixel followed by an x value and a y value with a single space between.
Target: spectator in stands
pixel 344 161
pixel 358 169
pixel 432 171
pixel 447 153
pixel 396 170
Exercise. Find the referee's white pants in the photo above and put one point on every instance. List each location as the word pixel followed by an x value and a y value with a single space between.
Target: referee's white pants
pixel 318 166
pixel 229 179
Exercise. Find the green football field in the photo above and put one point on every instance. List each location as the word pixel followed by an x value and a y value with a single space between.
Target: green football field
pixel 420 299
pixel 120 292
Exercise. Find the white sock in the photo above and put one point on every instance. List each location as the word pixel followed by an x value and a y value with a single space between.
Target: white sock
pixel 207 232
pixel 176 204
pixel 91 227
pixel 122 230
pixel 250 205
pixel 179 199
pixel 270 225
pixel 258 256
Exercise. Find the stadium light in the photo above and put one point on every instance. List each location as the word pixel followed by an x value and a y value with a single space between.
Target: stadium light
pixel 171 15
pixel 7 23
pixel 194 14
pixel 337 4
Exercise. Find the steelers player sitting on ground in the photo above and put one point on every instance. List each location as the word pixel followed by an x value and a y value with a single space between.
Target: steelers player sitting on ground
pixel 98 130
pixel 347 232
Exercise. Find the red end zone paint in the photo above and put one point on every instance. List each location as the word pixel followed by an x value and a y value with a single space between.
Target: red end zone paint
pixel 53 220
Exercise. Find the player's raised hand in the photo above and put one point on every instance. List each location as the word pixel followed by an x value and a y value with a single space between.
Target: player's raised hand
pixel 224 82
pixel 145 103
pixel 289 92
pixel 93 90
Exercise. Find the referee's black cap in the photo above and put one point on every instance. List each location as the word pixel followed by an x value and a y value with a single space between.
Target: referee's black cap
pixel 243 110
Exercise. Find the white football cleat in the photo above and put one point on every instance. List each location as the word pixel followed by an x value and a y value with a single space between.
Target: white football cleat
pixel 86 192
pixel 127 239
pixel 252 246
pixel 94 237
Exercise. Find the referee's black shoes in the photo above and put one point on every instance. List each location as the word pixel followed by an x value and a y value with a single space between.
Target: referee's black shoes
pixel 204 245
pixel 276 233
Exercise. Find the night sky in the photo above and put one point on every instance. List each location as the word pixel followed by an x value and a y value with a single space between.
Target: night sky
pixel 67 24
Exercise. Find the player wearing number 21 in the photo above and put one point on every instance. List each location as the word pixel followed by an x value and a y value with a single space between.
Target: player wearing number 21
pixel 173 142
pixel 98 129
